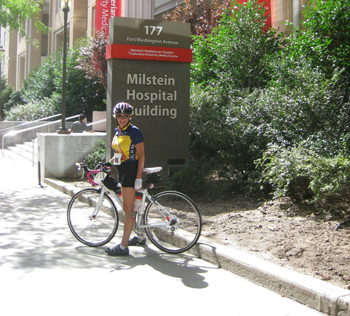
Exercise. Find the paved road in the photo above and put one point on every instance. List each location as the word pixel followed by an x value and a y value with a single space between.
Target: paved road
pixel 45 271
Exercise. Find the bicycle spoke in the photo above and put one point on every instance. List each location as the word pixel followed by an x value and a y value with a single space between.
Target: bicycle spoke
pixel 90 225
pixel 176 219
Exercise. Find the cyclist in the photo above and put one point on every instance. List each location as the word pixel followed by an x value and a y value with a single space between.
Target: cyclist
pixel 128 140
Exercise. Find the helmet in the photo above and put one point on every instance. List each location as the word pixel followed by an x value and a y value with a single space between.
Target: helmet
pixel 121 108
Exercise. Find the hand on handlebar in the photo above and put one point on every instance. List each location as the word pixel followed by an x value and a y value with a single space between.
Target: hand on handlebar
pixel 104 164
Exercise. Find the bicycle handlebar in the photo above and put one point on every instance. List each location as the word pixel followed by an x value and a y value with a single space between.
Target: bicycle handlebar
pixel 101 167
pixel 86 168
pixel 152 173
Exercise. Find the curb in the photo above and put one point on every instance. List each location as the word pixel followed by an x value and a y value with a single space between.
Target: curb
pixel 318 294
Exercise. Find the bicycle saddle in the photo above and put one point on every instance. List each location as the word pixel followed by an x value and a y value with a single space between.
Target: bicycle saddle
pixel 152 170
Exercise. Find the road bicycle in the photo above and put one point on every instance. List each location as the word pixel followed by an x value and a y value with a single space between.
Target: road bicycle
pixel 170 219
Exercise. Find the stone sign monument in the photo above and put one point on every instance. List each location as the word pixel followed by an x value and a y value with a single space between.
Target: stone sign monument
pixel 149 67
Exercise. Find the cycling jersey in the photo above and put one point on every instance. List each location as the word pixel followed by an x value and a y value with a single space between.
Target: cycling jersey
pixel 124 142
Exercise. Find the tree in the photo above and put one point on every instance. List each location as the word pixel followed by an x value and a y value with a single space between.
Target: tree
pixel 92 58
pixel 233 56
pixel 83 95
pixel 325 38
pixel 13 13
pixel 203 15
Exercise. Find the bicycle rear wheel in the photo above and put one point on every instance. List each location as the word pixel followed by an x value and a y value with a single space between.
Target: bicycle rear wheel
pixel 178 221
pixel 92 225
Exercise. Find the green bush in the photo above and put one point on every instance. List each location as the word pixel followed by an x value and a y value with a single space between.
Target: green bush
pixel 192 177
pixel 5 97
pixel 32 110
pixel 331 178
pixel 16 97
pixel 324 38
pixel 299 103
pixel 233 56
pixel 302 173
pixel 230 134
pixel 97 156
pixel 83 95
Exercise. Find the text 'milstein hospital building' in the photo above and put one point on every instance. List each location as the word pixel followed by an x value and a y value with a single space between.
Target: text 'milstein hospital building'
pixel 84 16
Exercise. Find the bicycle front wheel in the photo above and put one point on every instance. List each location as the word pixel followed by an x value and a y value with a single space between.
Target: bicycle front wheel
pixel 92 217
pixel 174 222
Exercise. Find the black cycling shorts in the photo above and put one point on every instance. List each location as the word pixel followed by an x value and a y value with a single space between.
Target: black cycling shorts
pixel 127 173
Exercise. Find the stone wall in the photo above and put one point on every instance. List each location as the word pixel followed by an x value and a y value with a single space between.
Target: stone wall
pixel 57 153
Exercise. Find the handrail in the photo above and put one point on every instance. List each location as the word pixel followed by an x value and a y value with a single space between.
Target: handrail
pixel 31 122
pixel 30 129
pixel 93 123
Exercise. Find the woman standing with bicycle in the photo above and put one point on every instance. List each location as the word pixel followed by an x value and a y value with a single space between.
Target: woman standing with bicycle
pixel 128 141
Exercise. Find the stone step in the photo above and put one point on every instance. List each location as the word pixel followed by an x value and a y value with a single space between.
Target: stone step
pixel 27 146
pixel 22 152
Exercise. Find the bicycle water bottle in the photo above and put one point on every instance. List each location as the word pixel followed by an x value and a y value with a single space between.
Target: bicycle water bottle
pixel 137 204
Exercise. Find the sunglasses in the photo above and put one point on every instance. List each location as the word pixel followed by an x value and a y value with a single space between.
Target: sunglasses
pixel 123 115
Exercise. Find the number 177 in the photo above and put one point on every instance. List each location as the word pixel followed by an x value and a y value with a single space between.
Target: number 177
pixel 151 29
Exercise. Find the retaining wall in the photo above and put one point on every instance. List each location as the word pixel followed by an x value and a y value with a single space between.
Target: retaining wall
pixel 58 153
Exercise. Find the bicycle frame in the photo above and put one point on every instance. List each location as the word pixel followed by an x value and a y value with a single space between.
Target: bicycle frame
pixel 139 215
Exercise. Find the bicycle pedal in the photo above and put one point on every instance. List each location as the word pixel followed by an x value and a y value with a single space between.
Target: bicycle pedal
pixel 136 241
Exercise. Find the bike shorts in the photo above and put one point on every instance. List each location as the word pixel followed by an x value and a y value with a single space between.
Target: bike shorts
pixel 127 173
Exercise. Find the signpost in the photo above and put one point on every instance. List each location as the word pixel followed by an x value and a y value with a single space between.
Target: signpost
pixel 149 67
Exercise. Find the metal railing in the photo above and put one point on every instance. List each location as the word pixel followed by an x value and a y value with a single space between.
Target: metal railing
pixel 97 122
pixel 31 122
pixel 13 133
pixel 39 126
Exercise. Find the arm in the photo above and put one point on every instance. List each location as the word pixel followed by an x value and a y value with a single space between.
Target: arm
pixel 140 149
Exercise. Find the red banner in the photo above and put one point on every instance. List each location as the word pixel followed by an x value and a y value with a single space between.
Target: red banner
pixel 104 10
pixel 122 51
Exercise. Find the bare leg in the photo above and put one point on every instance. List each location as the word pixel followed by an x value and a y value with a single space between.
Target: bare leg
pixel 128 206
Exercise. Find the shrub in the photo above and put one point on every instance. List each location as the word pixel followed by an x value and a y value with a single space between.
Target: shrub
pixel 192 177
pixel 83 95
pixel 97 156
pixel 5 97
pixel 16 97
pixel 301 102
pixel 229 133
pixel 32 111
pixel 233 56
pixel 302 173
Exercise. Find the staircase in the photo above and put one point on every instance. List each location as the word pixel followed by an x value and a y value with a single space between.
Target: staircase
pixel 23 152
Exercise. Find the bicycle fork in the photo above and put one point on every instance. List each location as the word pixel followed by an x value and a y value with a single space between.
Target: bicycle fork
pixel 98 205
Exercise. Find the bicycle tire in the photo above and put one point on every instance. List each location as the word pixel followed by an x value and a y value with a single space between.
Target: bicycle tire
pixel 92 230
pixel 183 227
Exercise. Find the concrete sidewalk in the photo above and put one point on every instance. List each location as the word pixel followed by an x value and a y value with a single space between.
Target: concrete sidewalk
pixel 45 271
